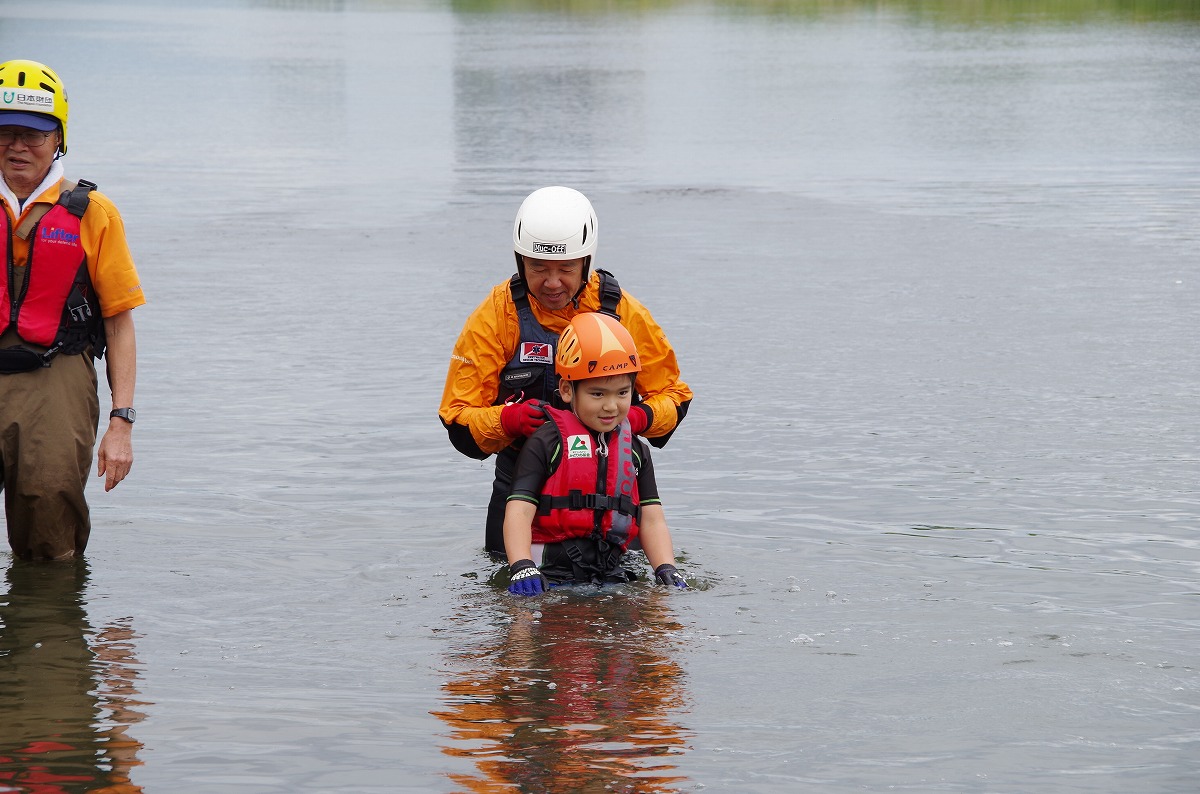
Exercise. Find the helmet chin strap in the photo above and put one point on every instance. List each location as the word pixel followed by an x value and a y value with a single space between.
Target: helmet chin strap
pixel 583 282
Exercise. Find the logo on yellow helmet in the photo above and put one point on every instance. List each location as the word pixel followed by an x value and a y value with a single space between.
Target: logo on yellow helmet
pixel 35 101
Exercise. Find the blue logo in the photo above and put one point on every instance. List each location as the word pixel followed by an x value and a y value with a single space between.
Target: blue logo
pixel 59 236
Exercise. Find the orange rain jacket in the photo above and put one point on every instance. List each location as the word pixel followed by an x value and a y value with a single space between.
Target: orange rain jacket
pixel 490 337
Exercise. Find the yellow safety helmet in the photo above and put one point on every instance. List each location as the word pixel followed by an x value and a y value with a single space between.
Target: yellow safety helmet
pixel 31 95
pixel 596 345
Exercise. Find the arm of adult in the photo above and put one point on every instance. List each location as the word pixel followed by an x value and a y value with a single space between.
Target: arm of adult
pixel 111 269
pixel 665 396
pixel 473 378
pixel 115 455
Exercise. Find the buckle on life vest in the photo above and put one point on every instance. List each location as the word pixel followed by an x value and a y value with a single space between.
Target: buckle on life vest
pixel 576 500
pixel 78 306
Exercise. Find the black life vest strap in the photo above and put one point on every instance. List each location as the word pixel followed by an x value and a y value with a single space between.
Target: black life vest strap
pixel 520 292
pixel 578 500
pixel 610 293
pixel 76 197
pixel 601 564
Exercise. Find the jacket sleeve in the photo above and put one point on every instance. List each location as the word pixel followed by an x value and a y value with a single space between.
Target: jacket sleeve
pixel 659 383
pixel 110 265
pixel 473 379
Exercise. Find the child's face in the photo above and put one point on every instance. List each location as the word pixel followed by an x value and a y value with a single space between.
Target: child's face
pixel 600 403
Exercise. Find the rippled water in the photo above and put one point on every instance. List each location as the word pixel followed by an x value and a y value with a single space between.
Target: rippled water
pixel 930 268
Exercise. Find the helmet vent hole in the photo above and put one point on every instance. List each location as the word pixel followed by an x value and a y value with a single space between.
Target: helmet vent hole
pixel 20 78
pixel 584 241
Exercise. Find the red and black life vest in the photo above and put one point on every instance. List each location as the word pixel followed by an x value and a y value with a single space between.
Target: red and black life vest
pixel 594 491
pixel 57 307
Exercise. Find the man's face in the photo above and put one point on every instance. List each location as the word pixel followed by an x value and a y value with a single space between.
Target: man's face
pixel 553 282
pixel 23 164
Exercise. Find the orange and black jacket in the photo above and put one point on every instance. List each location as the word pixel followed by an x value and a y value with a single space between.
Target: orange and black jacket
pixel 473 398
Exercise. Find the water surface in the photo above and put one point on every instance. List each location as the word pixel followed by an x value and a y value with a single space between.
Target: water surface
pixel 929 267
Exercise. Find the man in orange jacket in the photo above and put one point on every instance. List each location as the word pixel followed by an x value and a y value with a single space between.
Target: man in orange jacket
pixel 502 366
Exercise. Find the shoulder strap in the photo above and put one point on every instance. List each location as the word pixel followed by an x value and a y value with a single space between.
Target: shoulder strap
pixel 76 197
pixel 76 202
pixel 519 292
pixel 610 293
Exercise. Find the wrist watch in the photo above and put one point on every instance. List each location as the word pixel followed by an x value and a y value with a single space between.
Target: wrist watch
pixel 128 414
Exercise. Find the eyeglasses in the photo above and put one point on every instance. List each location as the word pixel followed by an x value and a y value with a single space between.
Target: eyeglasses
pixel 27 136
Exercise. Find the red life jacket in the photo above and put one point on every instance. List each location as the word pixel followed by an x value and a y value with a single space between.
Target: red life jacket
pixel 594 491
pixel 57 308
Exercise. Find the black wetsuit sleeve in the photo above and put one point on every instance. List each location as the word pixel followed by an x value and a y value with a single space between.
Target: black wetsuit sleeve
pixel 647 487
pixel 536 462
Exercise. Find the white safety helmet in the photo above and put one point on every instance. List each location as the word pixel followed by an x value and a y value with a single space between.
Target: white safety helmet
pixel 555 223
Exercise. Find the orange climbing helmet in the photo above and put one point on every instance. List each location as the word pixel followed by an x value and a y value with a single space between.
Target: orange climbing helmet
pixel 596 345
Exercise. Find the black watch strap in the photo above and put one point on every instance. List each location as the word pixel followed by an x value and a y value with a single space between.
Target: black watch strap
pixel 128 414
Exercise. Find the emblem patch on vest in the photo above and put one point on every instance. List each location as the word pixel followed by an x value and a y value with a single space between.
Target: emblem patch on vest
pixel 537 353
pixel 579 446
pixel 59 237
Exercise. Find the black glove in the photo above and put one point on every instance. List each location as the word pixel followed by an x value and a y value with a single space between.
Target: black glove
pixel 525 579
pixel 667 574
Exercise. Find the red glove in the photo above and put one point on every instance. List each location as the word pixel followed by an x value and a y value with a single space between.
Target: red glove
pixel 640 418
pixel 521 419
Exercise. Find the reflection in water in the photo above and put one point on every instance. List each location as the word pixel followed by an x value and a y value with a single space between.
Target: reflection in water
pixel 67 692
pixel 575 692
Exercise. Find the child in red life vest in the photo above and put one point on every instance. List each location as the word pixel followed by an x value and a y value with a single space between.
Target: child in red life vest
pixel 584 485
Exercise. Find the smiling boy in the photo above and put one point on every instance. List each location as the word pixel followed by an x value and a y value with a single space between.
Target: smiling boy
pixel 584 485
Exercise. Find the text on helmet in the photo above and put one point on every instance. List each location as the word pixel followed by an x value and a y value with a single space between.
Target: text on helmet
pixel 27 100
